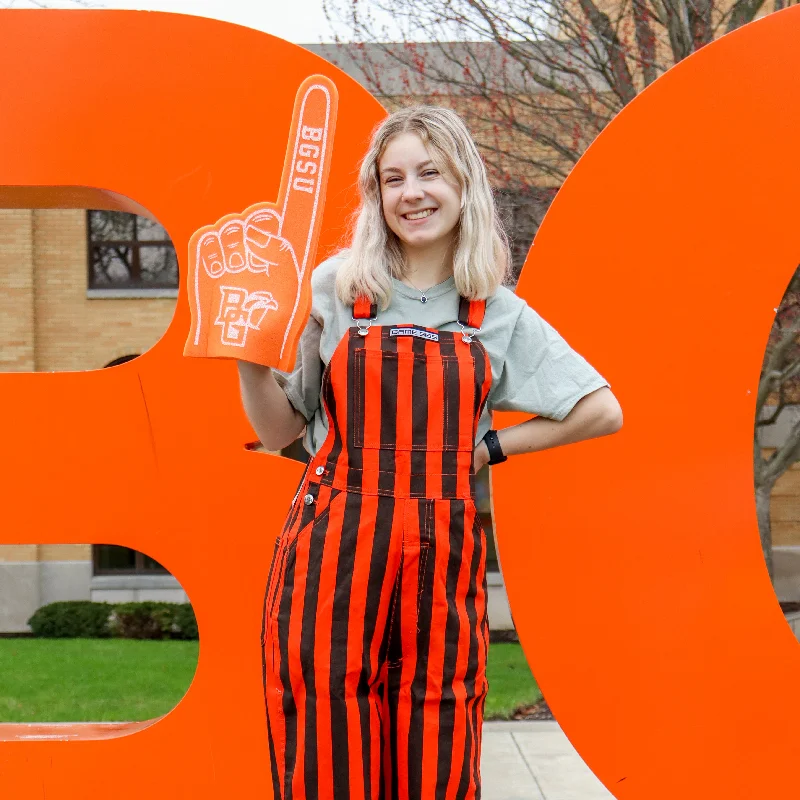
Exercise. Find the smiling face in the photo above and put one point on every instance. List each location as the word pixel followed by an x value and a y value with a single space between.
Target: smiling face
pixel 421 205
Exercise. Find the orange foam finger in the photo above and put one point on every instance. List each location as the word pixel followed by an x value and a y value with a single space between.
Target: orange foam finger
pixel 261 252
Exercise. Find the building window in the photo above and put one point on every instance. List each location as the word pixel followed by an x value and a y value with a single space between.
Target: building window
pixel 127 251
pixel 111 559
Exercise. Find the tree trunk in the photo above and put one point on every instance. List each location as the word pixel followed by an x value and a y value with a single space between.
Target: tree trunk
pixel 764 527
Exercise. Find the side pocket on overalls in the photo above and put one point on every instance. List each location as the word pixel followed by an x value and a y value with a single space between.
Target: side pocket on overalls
pixel 272 579
pixel 313 512
pixel 426 541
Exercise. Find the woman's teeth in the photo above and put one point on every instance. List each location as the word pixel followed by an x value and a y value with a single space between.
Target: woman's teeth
pixel 420 214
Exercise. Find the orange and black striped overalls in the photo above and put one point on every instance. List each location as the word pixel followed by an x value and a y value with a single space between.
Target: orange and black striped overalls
pixel 375 631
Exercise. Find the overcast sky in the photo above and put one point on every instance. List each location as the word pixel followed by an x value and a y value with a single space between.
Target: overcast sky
pixel 300 21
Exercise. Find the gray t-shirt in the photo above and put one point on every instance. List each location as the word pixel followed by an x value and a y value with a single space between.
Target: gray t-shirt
pixel 533 369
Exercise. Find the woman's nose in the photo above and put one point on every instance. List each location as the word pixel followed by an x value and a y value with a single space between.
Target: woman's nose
pixel 412 190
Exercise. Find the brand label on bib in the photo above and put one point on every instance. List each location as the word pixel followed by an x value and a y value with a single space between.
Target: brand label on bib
pixel 418 332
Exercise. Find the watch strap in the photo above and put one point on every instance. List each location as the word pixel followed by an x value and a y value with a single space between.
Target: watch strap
pixel 496 455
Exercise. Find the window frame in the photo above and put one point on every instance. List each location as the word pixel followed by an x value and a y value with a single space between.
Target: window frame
pixel 138 568
pixel 135 284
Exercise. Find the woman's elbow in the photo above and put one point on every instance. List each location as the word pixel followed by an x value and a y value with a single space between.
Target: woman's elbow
pixel 611 419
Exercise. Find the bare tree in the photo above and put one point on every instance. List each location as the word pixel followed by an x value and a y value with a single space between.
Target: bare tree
pixel 537 79
pixel 778 399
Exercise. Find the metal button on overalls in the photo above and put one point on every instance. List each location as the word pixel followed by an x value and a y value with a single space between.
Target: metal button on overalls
pixel 375 623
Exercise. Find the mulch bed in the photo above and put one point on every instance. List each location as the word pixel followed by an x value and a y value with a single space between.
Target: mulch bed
pixel 538 710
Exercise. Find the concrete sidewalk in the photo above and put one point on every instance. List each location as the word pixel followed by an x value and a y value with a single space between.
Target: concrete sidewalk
pixel 534 761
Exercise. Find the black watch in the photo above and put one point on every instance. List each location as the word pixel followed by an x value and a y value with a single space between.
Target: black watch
pixel 496 455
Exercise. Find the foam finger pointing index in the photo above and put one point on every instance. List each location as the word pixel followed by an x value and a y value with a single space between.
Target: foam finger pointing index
pixel 307 165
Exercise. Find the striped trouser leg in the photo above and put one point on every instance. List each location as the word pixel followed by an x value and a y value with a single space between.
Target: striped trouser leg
pixel 328 604
pixel 375 650
pixel 436 667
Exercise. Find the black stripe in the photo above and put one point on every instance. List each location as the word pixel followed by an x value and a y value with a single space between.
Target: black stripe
pixel 463 310
pixel 452 402
pixel 419 404
pixel 480 374
pixel 393 674
pixel 288 704
pixel 316 549
pixel 273 762
pixel 355 409
pixel 388 390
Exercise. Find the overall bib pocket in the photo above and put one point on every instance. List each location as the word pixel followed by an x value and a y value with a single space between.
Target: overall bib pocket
pixel 407 420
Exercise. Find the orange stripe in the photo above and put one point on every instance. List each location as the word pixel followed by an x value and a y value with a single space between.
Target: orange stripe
pixel 361 308
pixel 355 645
pixel 372 417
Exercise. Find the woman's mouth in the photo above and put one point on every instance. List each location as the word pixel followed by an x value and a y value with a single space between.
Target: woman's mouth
pixel 415 215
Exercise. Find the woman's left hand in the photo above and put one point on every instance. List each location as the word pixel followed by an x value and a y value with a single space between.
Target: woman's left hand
pixel 481 456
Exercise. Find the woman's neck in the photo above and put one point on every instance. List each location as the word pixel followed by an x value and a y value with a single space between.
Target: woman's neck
pixel 426 268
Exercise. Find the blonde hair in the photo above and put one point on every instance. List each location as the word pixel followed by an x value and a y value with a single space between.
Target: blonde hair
pixel 481 259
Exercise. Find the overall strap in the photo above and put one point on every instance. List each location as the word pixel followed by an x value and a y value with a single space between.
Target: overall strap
pixel 364 309
pixel 470 313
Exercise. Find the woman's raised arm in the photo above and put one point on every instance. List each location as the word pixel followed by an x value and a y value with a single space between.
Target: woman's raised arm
pixel 274 419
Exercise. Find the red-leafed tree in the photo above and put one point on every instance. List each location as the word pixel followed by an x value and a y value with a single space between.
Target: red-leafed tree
pixel 537 81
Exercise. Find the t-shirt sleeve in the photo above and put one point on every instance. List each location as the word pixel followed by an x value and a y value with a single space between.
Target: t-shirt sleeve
pixel 541 373
pixel 302 385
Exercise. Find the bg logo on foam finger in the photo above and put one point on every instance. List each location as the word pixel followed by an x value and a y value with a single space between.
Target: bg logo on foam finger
pixel 239 312
pixel 269 250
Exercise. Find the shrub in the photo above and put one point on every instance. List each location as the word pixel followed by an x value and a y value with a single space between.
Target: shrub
pixel 146 620
pixel 184 624
pixel 71 619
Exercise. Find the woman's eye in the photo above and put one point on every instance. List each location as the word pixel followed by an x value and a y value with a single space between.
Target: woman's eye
pixel 430 172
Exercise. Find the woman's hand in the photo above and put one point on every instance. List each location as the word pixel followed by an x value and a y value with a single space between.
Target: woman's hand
pixel 480 457
pixel 597 414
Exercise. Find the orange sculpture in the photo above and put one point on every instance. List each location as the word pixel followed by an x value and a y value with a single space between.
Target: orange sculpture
pixel 249 273
pixel 651 615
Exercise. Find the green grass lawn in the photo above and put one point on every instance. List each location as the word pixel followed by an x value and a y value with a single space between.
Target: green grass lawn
pixel 112 680
pixel 511 683
pixel 92 680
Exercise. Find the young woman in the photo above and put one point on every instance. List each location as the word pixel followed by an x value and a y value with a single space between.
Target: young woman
pixel 375 630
